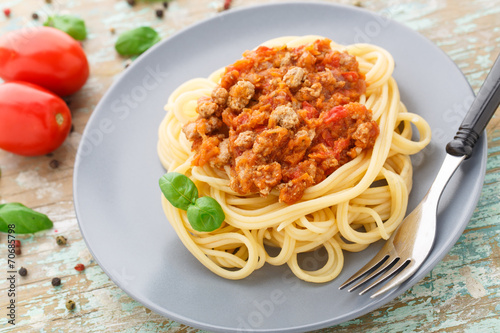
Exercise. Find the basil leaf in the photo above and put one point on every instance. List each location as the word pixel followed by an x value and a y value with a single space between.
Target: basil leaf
pixel 206 214
pixel 24 219
pixel 72 25
pixel 178 189
pixel 136 41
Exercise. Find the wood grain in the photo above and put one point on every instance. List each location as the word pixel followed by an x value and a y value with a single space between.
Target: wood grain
pixel 461 294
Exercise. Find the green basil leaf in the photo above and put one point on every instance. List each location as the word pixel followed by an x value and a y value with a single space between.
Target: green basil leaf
pixel 178 189
pixel 136 41
pixel 72 25
pixel 206 214
pixel 22 219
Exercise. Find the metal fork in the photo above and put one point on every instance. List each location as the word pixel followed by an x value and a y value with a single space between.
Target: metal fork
pixel 409 246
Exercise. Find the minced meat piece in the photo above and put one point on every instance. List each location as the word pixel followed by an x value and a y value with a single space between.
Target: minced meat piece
pixel 310 93
pixel 365 134
pixel 223 157
pixel 190 131
pixel 267 176
pixel 212 124
pixel 240 94
pixel 286 59
pixel 245 140
pixel 293 78
pixel 270 141
pixel 284 116
pixel 206 108
pixel 220 95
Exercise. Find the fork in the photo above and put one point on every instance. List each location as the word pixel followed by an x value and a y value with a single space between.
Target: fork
pixel 408 247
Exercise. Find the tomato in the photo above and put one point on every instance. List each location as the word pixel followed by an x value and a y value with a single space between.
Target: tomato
pixel 33 120
pixel 44 56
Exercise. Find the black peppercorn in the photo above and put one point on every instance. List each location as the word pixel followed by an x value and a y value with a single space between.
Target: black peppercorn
pixel 34 16
pixel 23 271
pixel 70 305
pixel 61 240
pixel 165 4
pixel 131 2
pixel 56 281
pixel 159 13
pixel 54 164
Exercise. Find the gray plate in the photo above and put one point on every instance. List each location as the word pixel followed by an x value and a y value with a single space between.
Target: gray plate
pixel 117 198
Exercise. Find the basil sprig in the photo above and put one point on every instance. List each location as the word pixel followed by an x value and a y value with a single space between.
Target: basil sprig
pixel 23 220
pixel 72 25
pixel 136 41
pixel 204 214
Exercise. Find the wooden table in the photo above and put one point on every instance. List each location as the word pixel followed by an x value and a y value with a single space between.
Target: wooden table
pixel 461 294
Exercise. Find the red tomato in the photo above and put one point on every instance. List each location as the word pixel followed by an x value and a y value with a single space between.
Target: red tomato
pixel 44 56
pixel 33 120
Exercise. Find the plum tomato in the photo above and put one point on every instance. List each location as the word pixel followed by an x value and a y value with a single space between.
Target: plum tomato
pixel 33 120
pixel 44 56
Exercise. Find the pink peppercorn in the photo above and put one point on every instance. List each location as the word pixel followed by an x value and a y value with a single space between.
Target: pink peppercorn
pixel 79 267
pixel 6 11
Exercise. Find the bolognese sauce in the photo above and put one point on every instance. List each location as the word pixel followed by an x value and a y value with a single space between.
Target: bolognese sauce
pixel 283 118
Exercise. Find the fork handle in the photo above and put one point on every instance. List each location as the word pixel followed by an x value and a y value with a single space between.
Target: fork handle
pixel 478 116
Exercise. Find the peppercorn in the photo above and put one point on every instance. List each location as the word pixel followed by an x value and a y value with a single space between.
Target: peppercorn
pixel 17 250
pixel 165 4
pixel 34 16
pixel 48 1
pixel 23 271
pixel 70 305
pixel 6 11
pixel 72 128
pixel 56 281
pixel 61 240
pixel 112 30
pixel 131 2
pixel 17 243
pixel 159 13
pixel 227 4
pixel 79 267
pixel 54 164
pixel 358 4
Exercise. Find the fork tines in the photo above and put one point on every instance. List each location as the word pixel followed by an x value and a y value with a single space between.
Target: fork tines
pixel 384 267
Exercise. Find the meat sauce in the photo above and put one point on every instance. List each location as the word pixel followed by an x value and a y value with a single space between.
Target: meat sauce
pixel 283 118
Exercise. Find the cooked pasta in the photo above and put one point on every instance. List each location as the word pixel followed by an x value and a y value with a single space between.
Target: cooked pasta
pixel 359 203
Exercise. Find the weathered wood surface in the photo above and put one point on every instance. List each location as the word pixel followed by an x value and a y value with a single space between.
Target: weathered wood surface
pixel 461 294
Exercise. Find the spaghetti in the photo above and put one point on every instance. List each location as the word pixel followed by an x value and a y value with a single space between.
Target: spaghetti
pixel 360 202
